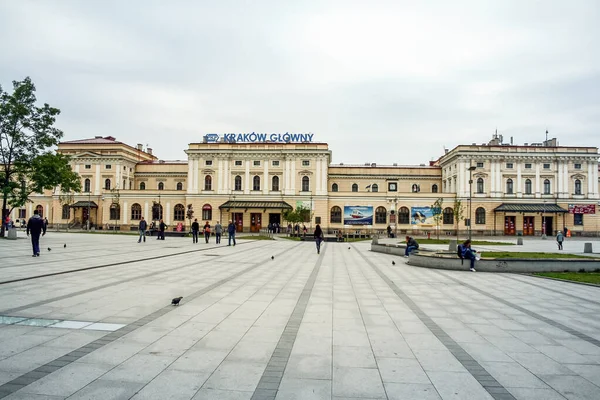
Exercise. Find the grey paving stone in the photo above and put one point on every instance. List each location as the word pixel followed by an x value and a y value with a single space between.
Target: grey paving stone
pixel 403 391
pixel 357 382
pixel 304 389
pixel 572 387
pixel 102 389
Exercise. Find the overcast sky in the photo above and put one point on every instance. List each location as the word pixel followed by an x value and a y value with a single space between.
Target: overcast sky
pixel 380 81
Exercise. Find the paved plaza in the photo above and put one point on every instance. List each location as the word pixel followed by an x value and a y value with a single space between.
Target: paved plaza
pixel 275 320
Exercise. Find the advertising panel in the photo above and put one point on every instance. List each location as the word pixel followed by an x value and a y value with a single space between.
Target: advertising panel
pixel 421 216
pixel 358 215
pixel 582 209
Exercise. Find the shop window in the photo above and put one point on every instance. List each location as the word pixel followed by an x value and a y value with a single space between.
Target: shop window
pixel 578 219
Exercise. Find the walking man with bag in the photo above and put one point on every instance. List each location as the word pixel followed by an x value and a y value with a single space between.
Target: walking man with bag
pixel 559 239
pixel 36 226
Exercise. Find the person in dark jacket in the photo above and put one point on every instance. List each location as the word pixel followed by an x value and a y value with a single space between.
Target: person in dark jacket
pixel 36 226
pixel 469 254
pixel 231 232
pixel 319 237
pixel 195 230
pixel 411 244
pixel 206 231
pixel 142 228
pixel 161 230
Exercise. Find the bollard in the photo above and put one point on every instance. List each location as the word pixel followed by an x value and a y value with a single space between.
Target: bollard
pixel 452 246
pixel 12 234
pixel 375 239
pixel 519 241
pixel 587 247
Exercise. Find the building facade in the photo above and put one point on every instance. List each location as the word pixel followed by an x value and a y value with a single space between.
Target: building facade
pixel 492 188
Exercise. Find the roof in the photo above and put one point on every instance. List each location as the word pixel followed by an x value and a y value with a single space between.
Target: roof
pixel 281 205
pixel 96 140
pixel 84 204
pixel 542 208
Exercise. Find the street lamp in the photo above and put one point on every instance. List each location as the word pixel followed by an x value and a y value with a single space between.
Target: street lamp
pixel 87 221
pixel 470 169
pixel 544 221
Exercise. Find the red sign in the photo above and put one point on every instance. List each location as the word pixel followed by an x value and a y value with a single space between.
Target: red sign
pixel 582 209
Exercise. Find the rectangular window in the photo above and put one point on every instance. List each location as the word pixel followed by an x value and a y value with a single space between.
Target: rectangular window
pixel 22 213
pixel 317 220
pixel 305 163
pixel 527 166
pixel 275 163
pixel 578 219
pixel 238 163
pixel 479 165
pixel 546 166
pixel 257 163
pixel 88 166
pixel 208 162
pixel 577 166
pixel 108 166
pixel 392 187
pixel 509 165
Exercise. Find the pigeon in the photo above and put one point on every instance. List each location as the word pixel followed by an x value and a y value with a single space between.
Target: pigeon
pixel 348 248
pixel 272 257
pixel 49 249
pixel 65 246
pixel 176 301
pixel 393 263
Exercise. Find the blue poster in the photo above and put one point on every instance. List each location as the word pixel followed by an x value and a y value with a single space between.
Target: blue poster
pixel 421 216
pixel 358 215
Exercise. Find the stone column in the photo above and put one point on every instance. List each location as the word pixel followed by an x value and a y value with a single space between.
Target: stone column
pixel 167 213
pixel 146 215
pixel 124 210
pixel 519 190
pixel 97 181
pixel 537 180
pixel 247 178
pixel 219 176
pixel 190 175
pixel 267 184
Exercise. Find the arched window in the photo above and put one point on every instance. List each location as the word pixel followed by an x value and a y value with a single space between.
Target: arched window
pixel 206 212
pixel 404 215
pixel 480 187
pixel 157 211
pixel 354 187
pixel 208 182
pixel 136 212
pixel 275 184
pixel 527 186
pixel 336 215
pixel 256 183
pixel 142 185
pixel 509 186
pixel 40 210
pixel 374 188
pixel 161 186
pixel 66 211
pixel 305 184
pixel 434 188
pixel 480 216
pixel 380 215
pixel 115 212
pixel 179 212
pixel 237 183
pixel 448 216
pixel 577 186
pixel 334 187
pixel 107 184
pixel 179 186
pixel 547 186
pixel 87 186
pixel 416 188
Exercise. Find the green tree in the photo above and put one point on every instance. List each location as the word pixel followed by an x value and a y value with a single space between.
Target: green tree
pixel 115 203
pixel 27 133
pixel 436 210
pixel 190 214
pixel 300 214
pixel 459 212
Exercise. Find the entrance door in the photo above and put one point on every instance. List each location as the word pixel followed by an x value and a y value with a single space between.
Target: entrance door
pixel 528 226
pixel 238 218
pixel 85 216
pixel 547 225
pixel 275 219
pixel 509 225
pixel 255 222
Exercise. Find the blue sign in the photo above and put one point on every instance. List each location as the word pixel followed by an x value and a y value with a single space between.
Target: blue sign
pixel 421 216
pixel 358 215
pixel 254 137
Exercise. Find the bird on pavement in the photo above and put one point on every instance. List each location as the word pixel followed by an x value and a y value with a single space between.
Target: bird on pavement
pixel 272 257
pixel 65 246
pixel 393 263
pixel 348 248
pixel 49 249
pixel 176 300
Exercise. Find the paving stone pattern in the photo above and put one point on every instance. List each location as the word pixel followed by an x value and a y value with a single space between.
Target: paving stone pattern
pixel 345 324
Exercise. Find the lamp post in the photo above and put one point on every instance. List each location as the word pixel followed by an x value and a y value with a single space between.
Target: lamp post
pixel 544 221
pixel 470 169
pixel 233 214
pixel 87 222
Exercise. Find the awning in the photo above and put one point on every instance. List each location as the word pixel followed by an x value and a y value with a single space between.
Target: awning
pixel 530 208
pixel 84 204
pixel 281 205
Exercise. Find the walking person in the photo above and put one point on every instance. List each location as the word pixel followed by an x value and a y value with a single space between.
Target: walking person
pixel 559 239
pixel 161 230
pixel 206 231
pixel 142 230
pixel 45 224
pixel 468 253
pixel 304 230
pixel 411 244
pixel 318 234
pixel 36 226
pixel 231 232
pixel 195 230
pixel 218 232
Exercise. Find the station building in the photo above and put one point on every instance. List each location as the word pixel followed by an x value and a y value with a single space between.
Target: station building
pixel 502 189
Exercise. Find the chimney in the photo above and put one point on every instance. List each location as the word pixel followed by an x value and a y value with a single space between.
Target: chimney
pixel 140 147
pixel 149 150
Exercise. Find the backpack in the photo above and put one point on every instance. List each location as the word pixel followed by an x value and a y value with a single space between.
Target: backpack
pixel 460 252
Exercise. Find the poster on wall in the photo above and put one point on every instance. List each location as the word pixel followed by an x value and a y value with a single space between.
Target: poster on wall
pixel 421 216
pixel 358 215
pixel 307 204
pixel 582 209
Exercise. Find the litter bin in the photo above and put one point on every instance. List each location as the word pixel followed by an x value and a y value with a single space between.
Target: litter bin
pixel 12 234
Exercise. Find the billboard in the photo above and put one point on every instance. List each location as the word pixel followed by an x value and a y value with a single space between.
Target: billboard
pixel 421 216
pixel 358 215
pixel 582 209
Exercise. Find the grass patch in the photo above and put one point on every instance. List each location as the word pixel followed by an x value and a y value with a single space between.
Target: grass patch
pixel 258 237
pixel 587 277
pixel 296 238
pixel 356 239
pixel 473 242
pixel 506 254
